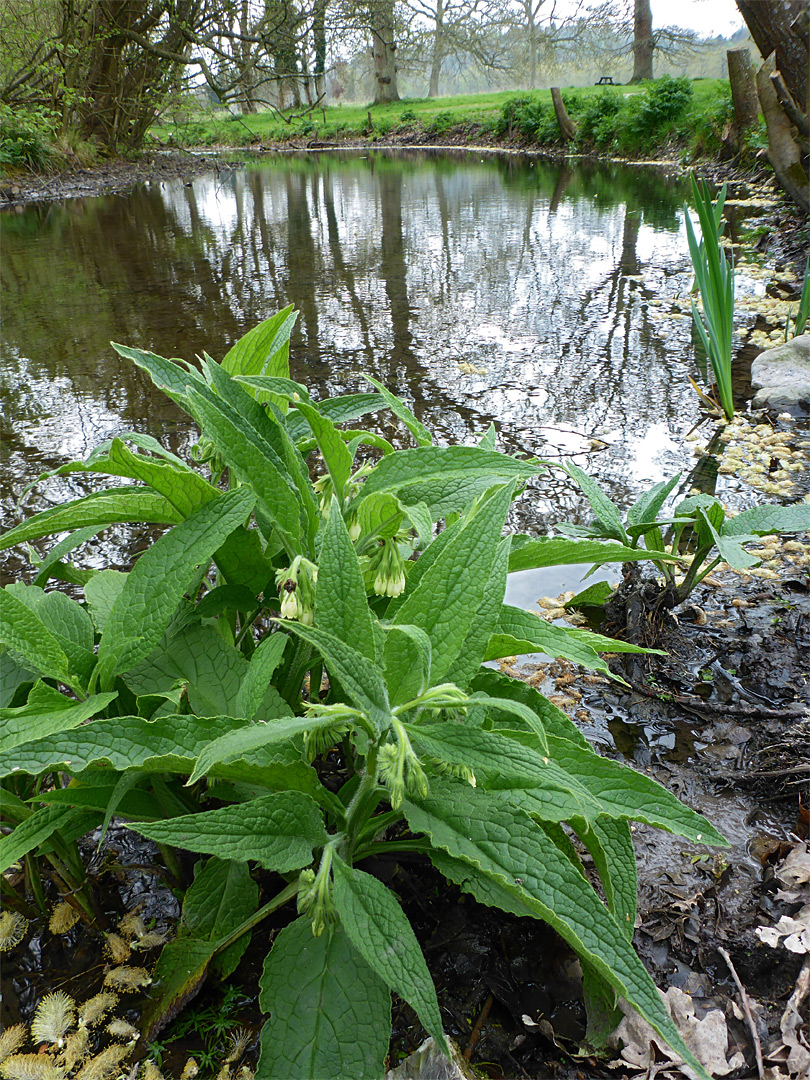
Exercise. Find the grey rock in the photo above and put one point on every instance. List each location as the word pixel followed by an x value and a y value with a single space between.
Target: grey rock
pixel 781 376
pixel 429 1063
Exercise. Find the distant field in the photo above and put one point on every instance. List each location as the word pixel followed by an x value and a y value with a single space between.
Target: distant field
pixel 436 115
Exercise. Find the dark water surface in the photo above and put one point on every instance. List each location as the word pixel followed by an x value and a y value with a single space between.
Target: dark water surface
pixel 480 288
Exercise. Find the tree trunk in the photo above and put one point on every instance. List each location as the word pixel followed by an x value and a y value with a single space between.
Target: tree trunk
pixel 529 6
pixel 319 43
pixel 438 51
pixel 743 91
pixel 783 150
pixel 383 49
pixel 781 26
pixel 568 128
pixel 643 44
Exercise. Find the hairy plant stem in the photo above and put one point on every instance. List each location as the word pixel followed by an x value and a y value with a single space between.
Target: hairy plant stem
pixel 385 847
pixel 364 802
pixel 692 580
pixel 278 901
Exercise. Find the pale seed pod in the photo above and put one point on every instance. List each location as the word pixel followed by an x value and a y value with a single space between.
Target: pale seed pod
pixel 13 928
pixel 104 1066
pixel 240 1041
pixel 127 979
pixel 190 1070
pixel 12 1039
pixel 118 949
pixel 63 918
pixel 132 925
pixel 30 1067
pixel 77 1047
pixel 94 1008
pixel 150 940
pixel 122 1029
pixel 54 1015
pixel 150 1071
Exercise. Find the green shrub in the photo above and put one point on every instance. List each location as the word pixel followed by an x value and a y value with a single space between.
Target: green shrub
pixel 407 116
pixel 597 118
pixel 440 123
pixel 26 136
pixel 278 683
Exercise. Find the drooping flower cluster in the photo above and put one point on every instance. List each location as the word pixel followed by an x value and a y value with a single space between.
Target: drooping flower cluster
pixel 388 568
pixel 296 589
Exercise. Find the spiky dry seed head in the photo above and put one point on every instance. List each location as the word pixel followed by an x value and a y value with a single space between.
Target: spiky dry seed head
pixel 122 1029
pixel 127 979
pixel 240 1041
pixel 244 1073
pixel 104 1066
pixel 63 918
pixel 190 1070
pixel 94 1008
pixel 53 1017
pixel 224 1073
pixel 30 1067
pixel 12 1039
pixel 150 1071
pixel 118 949
pixel 77 1047
pixel 13 928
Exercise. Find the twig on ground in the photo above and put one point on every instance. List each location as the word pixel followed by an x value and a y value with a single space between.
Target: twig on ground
pixel 752 1027
pixel 476 1031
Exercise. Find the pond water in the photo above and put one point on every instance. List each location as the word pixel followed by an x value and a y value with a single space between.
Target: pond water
pixel 483 289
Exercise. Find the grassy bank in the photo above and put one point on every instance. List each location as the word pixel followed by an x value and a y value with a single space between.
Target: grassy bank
pixel 687 116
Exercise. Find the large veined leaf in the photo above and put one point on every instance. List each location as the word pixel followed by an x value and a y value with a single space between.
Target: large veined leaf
pixel 46 712
pixel 445 602
pixel 255 685
pixel 764 520
pixel 504 764
pixel 13 675
pixel 520 632
pixel 500 844
pixel 445 478
pixel 37 829
pixel 67 620
pixel 101 592
pixel 340 410
pixel 110 507
pixel 51 565
pixel 265 349
pixel 554 720
pixel 330 1014
pixel 254 463
pixel 240 742
pixel 173 377
pixel 607 512
pixel 154 588
pixel 472 652
pixel 221 897
pixel 336 455
pixel 406 657
pixel 380 932
pixel 610 844
pixel 645 511
pixel 177 978
pixel 400 409
pixel 341 607
pixel 278 831
pixel 379 517
pixel 168 744
pixel 531 553
pixel 359 677
pixel 24 632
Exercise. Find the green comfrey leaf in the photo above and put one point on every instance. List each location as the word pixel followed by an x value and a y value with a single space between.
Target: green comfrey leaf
pixel 406 658
pixel 610 844
pixel 336 455
pixel 530 553
pixel 419 517
pixel 154 588
pixel 520 632
pixel 444 478
pixel 45 713
pixel 173 377
pixel 254 463
pixel 264 350
pixel 767 520
pixel 24 632
pixel 339 410
pixel 51 564
pixel 222 896
pixel 381 934
pixel 274 384
pixel 646 509
pixel 360 678
pixel 330 1014
pixel 445 601
pixel 69 623
pixel 119 796
pixel 554 720
pixel 605 510
pixel 400 409
pixel 256 682
pixel 379 517
pixel 501 845
pixel 239 743
pixel 13 675
pixel 341 608
pixel 243 561
pixel 278 831
pixel 111 507
pixel 101 592
pixel 37 830
pixel 472 652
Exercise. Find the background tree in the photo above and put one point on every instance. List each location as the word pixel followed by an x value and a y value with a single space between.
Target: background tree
pixel 643 43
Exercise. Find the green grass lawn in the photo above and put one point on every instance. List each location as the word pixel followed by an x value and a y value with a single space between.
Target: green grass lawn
pixel 434 115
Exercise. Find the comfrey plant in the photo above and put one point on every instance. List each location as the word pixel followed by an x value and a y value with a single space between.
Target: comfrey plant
pixel 713 537
pixel 278 686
